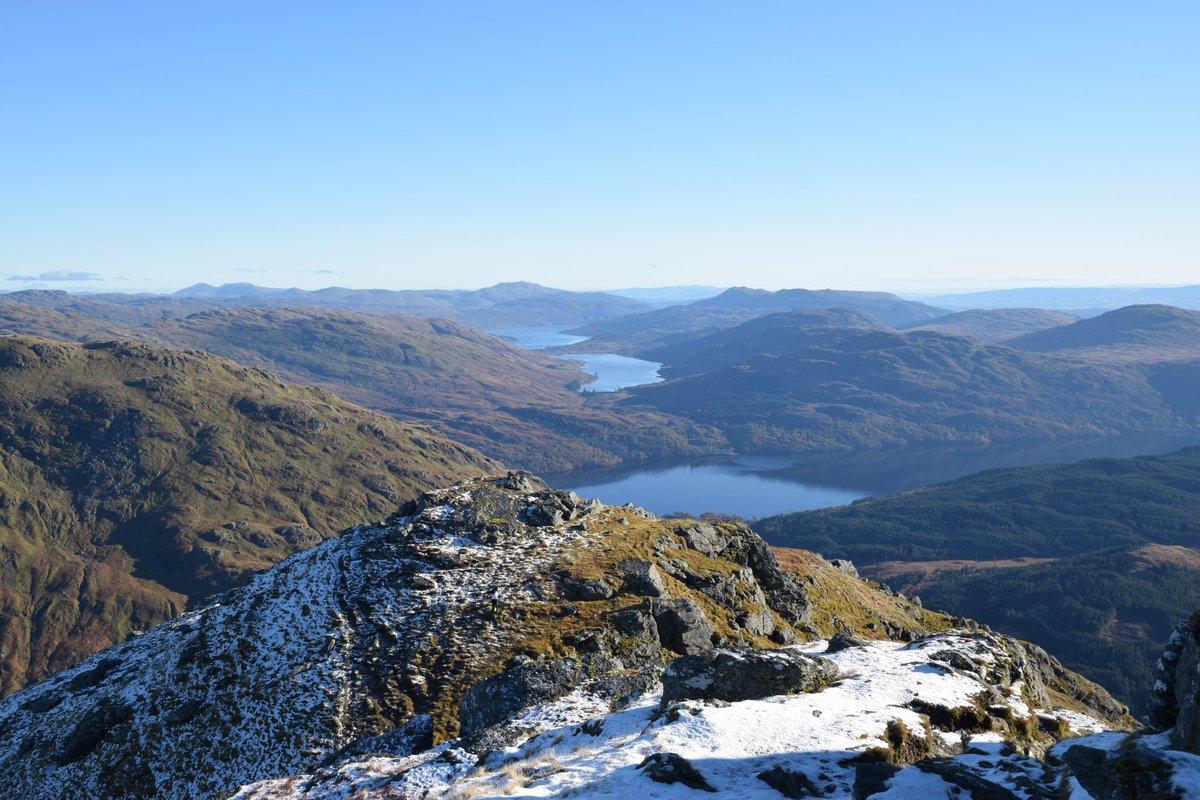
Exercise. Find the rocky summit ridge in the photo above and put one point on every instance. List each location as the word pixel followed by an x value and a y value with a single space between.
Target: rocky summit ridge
pixel 498 636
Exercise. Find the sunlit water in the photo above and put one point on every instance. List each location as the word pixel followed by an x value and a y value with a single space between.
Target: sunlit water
pixel 612 371
pixel 762 486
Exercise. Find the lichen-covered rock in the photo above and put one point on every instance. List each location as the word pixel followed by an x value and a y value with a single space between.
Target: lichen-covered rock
pixel 744 674
pixel 586 588
pixel 682 626
pixel 642 578
pixel 1175 700
pixel 523 684
pixel 379 638
pixel 1135 773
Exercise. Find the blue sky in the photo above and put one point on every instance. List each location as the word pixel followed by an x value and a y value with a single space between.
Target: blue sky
pixel 903 146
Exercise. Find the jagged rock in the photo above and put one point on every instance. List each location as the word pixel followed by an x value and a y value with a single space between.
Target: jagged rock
pixel 1133 774
pixel 682 626
pixel 745 674
pixel 843 640
pixel 423 582
pixel 586 589
pixel 91 729
pixel 673 768
pixel 520 481
pixel 336 650
pixel 411 737
pixel 978 787
pixel 184 712
pixel 845 565
pixel 523 684
pixel 1186 686
pixel 636 622
pixel 958 660
pixel 758 622
pixel 871 778
pixel 621 688
pixel 681 571
pixel 703 537
pixel 642 578
pixel 784 591
pixel 795 785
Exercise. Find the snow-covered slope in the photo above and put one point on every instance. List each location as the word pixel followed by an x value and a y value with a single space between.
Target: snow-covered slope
pixel 842 736
pixel 419 657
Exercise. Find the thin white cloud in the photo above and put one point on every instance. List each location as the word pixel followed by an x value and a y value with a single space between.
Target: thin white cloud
pixel 57 275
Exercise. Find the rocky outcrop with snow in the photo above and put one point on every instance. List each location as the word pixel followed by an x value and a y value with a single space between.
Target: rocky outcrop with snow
pixel 899 720
pixel 498 636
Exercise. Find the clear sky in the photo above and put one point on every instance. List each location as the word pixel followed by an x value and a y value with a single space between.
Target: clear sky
pixel 896 145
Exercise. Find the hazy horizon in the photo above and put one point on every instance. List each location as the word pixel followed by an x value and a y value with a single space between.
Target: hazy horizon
pixel 928 147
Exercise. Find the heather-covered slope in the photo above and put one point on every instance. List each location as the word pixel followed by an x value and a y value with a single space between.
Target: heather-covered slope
pixel 477 602
pixel 994 324
pixel 1134 333
pixel 638 334
pixel 515 405
pixel 134 477
pixel 1115 545
pixel 785 384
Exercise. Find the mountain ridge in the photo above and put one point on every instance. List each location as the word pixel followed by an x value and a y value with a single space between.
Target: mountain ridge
pixel 470 604
pixel 133 477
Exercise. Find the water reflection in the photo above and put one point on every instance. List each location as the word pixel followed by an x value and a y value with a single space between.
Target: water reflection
pixel 612 371
pixel 758 486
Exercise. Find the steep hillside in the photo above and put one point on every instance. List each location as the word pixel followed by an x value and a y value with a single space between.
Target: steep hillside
pixel 515 405
pixel 1043 511
pixel 485 614
pixel 780 334
pixel 638 334
pixel 773 385
pixel 994 324
pixel 133 478
pixel 887 307
pixel 73 326
pixel 1117 542
pixel 1103 613
pixel 1134 333
pixel 120 309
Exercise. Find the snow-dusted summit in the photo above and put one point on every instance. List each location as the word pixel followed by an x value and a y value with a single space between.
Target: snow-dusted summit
pixel 500 638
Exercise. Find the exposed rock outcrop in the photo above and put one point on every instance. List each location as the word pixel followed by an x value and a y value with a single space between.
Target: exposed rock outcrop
pixel 478 617
pixel 744 674
pixel 1175 700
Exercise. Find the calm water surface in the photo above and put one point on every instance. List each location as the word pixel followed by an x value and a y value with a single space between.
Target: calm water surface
pixel 612 371
pixel 744 486
pixel 762 486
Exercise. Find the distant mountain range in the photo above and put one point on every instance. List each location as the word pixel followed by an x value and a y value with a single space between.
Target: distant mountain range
pixel 503 305
pixel 660 296
pixel 638 334
pixel 839 380
pixel 993 324
pixel 1084 298
pixel 1136 333
pixel 516 405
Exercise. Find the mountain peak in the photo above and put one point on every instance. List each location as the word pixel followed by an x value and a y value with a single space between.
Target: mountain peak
pixel 468 606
